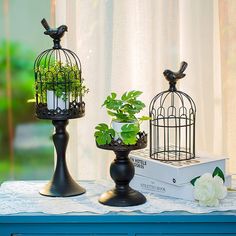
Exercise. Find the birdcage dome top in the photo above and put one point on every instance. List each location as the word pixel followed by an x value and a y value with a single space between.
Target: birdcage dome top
pixel 172 99
pixel 169 103
pixel 60 57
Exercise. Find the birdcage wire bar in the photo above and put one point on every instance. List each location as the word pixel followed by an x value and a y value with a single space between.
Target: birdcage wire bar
pixel 172 126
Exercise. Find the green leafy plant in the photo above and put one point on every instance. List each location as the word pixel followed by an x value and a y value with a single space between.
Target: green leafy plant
pixel 62 79
pixel 122 110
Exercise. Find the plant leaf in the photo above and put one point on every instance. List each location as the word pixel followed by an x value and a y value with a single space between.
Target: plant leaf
pixel 124 97
pixel 130 141
pixel 101 140
pixel 113 95
pixel 137 93
pixel 122 117
pixel 219 173
pixel 129 137
pixel 130 128
pixel 129 133
pixel 144 118
pixel 103 134
pixel 102 126
pixel 194 180
pixel 111 113
pixel 96 133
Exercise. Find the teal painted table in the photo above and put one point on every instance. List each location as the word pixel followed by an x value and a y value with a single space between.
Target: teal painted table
pixel 177 223
pixel 23 197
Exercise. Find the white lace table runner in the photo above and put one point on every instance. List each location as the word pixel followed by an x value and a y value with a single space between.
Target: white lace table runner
pixel 23 197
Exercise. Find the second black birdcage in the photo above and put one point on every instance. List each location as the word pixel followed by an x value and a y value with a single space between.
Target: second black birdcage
pixel 172 124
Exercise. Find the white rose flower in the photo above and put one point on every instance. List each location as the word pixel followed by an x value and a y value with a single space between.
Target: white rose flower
pixel 209 190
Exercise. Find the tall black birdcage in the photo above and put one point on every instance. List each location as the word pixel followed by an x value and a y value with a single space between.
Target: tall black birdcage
pixel 172 124
pixel 58 82
pixel 59 91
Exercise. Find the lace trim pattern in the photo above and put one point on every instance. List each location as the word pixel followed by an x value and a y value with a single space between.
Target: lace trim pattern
pixel 23 197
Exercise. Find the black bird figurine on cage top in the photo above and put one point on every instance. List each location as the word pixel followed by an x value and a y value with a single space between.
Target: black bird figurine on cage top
pixel 172 124
pixel 59 91
pixel 56 34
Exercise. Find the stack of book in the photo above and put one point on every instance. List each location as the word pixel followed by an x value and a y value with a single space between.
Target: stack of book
pixel 172 178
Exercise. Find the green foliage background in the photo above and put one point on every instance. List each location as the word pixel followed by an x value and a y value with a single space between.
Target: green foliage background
pixel 29 164
pixel 21 61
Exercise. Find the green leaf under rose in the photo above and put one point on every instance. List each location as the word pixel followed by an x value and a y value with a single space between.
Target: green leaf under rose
pixel 217 172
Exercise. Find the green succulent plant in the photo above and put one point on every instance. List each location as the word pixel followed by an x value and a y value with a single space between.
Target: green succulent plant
pixel 60 78
pixel 122 110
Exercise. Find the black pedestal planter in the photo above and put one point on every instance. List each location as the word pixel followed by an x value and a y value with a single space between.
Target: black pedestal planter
pixel 62 184
pixel 59 91
pixel 122 172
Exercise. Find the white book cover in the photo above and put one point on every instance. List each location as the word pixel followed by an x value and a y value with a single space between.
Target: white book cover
pixel 156 187
pixel 175 172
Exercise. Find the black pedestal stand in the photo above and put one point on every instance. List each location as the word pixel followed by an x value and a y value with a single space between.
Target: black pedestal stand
pixel 122 172
pixel 62 184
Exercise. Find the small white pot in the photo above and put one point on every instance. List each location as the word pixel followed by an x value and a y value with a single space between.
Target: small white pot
pixel 54 102
pixel 116 125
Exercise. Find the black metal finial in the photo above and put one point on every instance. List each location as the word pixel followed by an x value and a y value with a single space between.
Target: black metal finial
pixel 56 34
pixel 172 77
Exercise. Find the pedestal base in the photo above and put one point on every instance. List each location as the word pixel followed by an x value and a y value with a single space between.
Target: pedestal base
pixel 62 190
pixel 122 172
pixel 62 184
pixel 126 198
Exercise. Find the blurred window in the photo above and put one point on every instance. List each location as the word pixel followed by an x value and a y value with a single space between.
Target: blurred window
pixel 26 149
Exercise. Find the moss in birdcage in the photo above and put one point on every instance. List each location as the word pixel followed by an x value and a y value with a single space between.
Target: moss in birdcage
pixel 63 79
